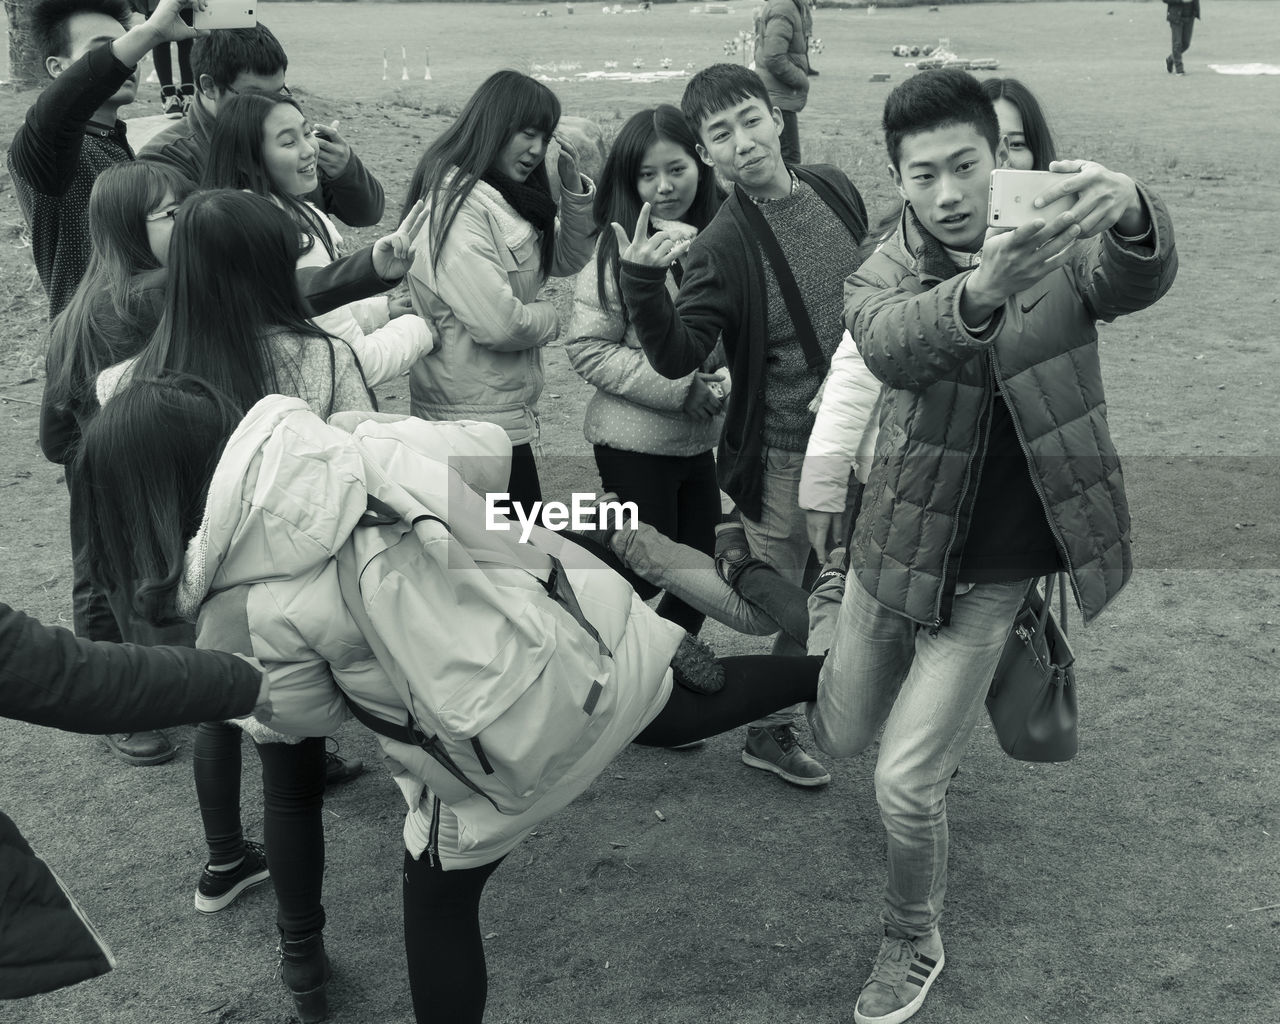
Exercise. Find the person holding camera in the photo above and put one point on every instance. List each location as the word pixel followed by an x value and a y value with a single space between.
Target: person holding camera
pixel 993 465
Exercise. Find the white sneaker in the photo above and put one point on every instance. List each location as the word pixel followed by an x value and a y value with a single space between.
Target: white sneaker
pixel 904 971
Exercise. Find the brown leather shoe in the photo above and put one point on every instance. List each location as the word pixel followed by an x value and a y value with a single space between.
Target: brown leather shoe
pixel 140 748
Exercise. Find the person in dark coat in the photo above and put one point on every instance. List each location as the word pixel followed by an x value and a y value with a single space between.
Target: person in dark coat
pixel 1182 16
pixel 49 677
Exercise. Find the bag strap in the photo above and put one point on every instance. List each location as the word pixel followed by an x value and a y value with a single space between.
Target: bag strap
pixel 786 282
pixel 408 731
pixel 1042 621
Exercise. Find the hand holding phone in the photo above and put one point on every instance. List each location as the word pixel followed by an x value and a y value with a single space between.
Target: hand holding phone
pixel 1013 195
pixel 333 150
pixel 221 14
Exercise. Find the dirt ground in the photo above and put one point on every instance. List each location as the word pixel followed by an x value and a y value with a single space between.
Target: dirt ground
pixel 1140 882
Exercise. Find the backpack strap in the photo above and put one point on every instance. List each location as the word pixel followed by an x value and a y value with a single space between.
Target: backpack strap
pixel 763 234
pixel 379 514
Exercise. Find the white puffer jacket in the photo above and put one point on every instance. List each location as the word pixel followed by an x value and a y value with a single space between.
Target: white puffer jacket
pixel 286 495
pixel 385 347
pixel 843 439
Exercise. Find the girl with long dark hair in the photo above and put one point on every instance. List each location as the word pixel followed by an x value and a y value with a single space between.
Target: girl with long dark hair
pixel 496 233
pixel 109 318
pixel 263 143
pixel 1022 123
pixel 652 436
pixel 234 316
pixel 261 576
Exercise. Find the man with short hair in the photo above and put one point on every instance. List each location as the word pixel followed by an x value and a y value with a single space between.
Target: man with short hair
pixel 779 331
pixel 239 60
pixel 994 466
pixel 72 131
pixel 69 136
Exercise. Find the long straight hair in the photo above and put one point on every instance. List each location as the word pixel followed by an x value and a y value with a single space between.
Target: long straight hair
pixel 147 459
pixel 107 320
pixel 1035 129
pixel 617 196
pixel 232 283
pixel 236 160
pixel 506 102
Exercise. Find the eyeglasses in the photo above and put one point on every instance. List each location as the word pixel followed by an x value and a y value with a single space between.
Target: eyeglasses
pixel 282 91
pixel 159 215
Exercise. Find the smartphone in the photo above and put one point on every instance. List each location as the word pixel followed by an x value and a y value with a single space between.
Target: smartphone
pixel 1012 193
pixel 223 14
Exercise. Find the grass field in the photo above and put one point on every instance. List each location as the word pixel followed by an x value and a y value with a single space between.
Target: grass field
pixel 1139 883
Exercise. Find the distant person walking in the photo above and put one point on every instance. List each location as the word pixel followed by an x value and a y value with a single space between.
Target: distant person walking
pixel 782 61
pixel 1182 15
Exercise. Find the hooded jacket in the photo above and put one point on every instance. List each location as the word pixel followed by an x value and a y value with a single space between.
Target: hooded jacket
pixel 261 570
pixel 480 296
pixel 1040 351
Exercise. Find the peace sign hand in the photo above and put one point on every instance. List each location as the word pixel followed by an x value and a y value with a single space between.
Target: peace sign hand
pixel 656 250
pixel 393 253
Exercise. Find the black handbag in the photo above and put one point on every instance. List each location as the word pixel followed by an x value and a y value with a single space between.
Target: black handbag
pixel 1032 700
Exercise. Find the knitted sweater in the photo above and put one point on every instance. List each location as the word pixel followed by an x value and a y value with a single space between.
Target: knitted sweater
pixel 808 235
pixel 54 159
pixel 328 381
pixel 723 293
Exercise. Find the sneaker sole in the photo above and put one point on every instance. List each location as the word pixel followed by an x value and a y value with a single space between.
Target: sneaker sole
pixel 140 762
pixel 758 762
pixel 211 906
pixel 908 1011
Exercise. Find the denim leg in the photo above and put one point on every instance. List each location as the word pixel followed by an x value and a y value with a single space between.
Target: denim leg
pixel 868 660
pixel 689 575
pixel 924 738
pixel 780 538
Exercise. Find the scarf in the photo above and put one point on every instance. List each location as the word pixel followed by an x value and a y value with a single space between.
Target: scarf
pixel 532 200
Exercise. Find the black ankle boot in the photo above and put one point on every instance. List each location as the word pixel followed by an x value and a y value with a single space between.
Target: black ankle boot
pixel 304 969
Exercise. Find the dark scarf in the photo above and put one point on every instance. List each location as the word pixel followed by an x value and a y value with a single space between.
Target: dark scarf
pixel 532 200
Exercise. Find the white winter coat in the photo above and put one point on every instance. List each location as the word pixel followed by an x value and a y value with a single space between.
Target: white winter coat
pixel 843 439
pixel 385 347
pixel 286 494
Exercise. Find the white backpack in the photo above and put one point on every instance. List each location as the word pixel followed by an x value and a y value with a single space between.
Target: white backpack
pixel 494 648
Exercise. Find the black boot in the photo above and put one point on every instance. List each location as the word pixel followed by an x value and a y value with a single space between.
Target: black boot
pixel 305 971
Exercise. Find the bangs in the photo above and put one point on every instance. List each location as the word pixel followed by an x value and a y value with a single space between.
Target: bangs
pixel 537 107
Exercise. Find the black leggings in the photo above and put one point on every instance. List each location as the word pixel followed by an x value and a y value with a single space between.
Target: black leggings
pixel 292 826
pixel 447 973
pixel 164 63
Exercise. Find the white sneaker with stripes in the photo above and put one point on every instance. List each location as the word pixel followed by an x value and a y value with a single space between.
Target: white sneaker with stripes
pixel 904 971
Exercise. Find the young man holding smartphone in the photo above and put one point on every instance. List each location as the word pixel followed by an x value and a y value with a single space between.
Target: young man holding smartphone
pixel 993 465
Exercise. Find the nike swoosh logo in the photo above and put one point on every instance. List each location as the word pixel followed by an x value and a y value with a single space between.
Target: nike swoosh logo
pixel 1028 309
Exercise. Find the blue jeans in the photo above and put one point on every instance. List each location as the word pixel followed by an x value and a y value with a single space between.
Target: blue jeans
pixel 780 538
pixel 760 603
pixel 928 692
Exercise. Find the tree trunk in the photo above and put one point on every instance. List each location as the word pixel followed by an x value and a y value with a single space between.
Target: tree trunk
pixel 24 62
